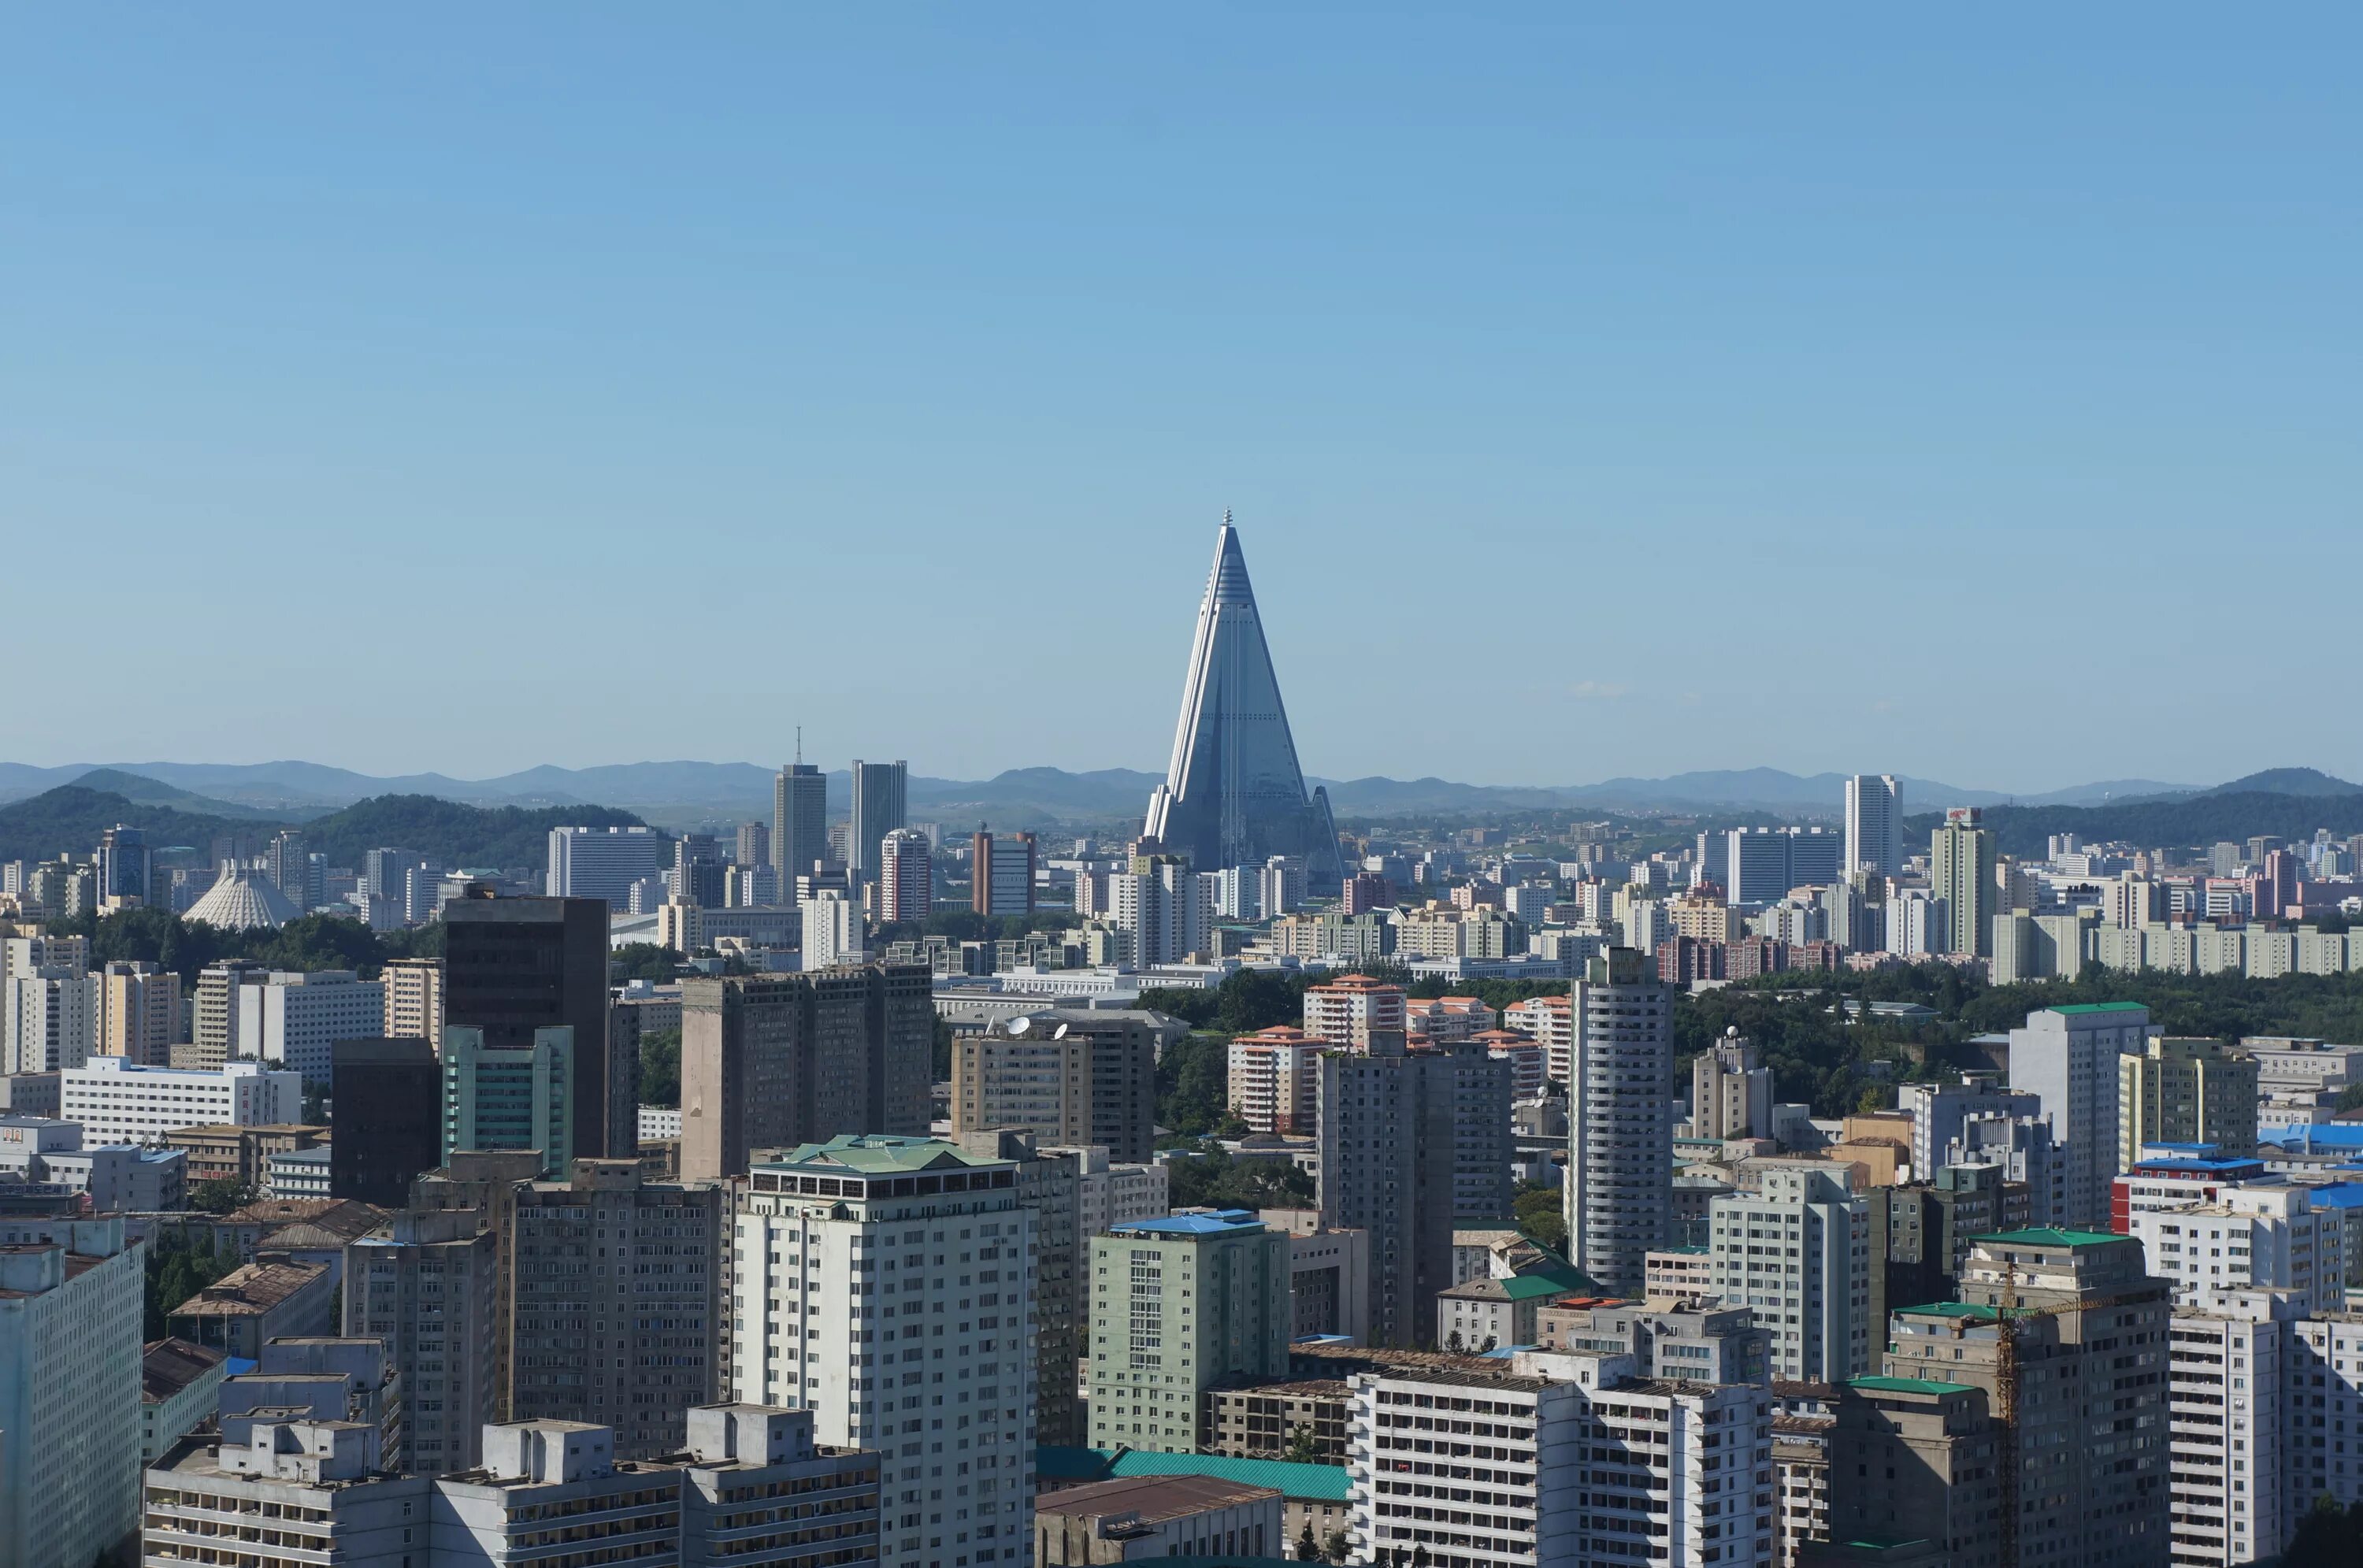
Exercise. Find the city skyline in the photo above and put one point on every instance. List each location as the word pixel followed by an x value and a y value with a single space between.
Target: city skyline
pixel 1688 335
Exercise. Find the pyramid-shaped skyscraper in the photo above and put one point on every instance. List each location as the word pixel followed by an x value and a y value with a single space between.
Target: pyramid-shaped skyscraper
pixel 1234 794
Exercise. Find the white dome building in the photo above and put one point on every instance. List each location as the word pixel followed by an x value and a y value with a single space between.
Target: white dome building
pixel 241 899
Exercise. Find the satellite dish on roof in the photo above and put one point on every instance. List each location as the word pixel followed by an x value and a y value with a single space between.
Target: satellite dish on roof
pixel 1059 1033
pixel 1020 1025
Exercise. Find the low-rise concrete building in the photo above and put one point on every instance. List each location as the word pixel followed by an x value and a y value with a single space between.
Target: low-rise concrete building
pixel 1144 1516
pixel 271 1298
pixel 179 1383
pixel 1275 1420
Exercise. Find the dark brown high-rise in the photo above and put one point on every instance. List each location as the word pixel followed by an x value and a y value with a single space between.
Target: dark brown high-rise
pixel 388 1119
pixel 772 1061
pixel 512 965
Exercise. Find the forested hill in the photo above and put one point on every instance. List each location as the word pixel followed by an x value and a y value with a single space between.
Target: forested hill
pixel 450 834
pixel 2190 820
pixel 69 818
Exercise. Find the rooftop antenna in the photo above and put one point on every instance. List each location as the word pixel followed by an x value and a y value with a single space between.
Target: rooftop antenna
pixel 800 745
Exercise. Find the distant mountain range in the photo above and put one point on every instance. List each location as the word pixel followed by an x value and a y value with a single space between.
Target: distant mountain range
pixel 681 794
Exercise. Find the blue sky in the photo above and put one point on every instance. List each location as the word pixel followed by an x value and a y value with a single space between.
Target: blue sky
pixel 1965 394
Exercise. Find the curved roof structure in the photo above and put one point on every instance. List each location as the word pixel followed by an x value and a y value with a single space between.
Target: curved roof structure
pixel 1234 794
pixel 242 899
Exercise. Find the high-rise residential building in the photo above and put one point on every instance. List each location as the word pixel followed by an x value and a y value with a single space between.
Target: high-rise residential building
pixel 882 1283
pixel 1918 924
pixel 2066 1057
pixel 832 929
pixel 122 1102
pixel 630 1349
pixel 1961 873
pixel 1410 1145
pixel 906 877
pixel 772 1061
pixel 70 1301
pixel 1938 1111
pixel 2066 1334
pixel 1620 1167
pixel 1731 1090
pixel 1576 1459
pixel 753 845
pixel 49 1019
pixel 601 863
pixel 881 805
pixel 287 862
pixel 1049 1184
pixel 2265 1238
pixel 386 1118
pixel 1348 1011
pixel 1072 1077
pixel 383 871
pixel 1168 908
pixel 1280 886
pixel 1549 1022
pixel 498 1097
pixel 1178 1304
pixel 413 998
pixel 697 875
pixel 139 1012
pixel 2185 1091
pixel 425 1287
pixel 1874 825
pixel 2235 1495
pixel 1274 1081
pixel 124 864
pixel 1914 1458
pixel 1234 794
pixel 515 966
pixel 1000 872
pixel 799 824
pixel 293 1019
pixel 1766 863
pixel 1796 1254
pixel 1110 1194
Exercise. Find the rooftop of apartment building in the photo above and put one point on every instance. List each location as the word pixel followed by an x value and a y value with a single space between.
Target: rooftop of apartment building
pixel 334 1221
pixel 878 1154
pixel 251 1290
pixel 169 1366
pixel 1059 1467
pixel 1205 1222
pixel 1152 1498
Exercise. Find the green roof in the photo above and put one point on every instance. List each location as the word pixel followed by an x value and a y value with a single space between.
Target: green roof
pixel 2051 1236
pixel 1314 1482
pixel 1906 1385
pixel 878 1154
pixel 1961 1309
pixel 2103 1006
pixel 1526 1287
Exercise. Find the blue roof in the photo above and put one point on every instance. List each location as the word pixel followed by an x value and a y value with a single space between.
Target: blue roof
pixel 2322 1134
pixel 1322 1483
pixel 2197 1167
pixel 1218 1222
pixel 2338 1194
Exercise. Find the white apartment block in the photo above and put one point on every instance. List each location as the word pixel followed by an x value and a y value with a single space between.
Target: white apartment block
pixel 139 1012
pixel 1346 1012
pixel 1274 1083
pixel 413 998
pixel 1108 1195
pixel 601 863
pixel 293 1019
pixel 1618 1202
pixel 886 1283
pixel 750 1490
pixel 1797 1254
pixel 70 1301
pixel 2225 1399
pixel 49 1019
pixel 1563 1461
pixel 1550 1024
pixel 122 1102
pixel 2067 1057
pixel 2267 1238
